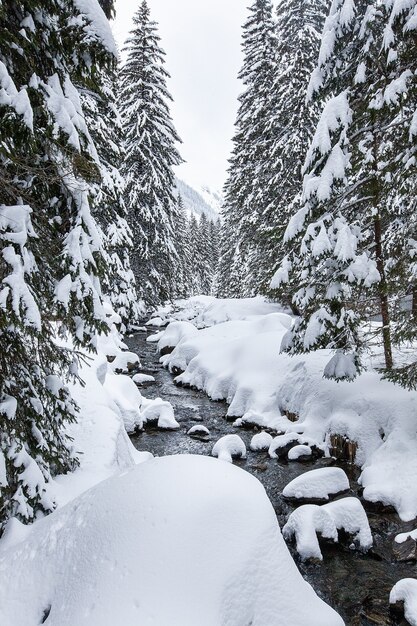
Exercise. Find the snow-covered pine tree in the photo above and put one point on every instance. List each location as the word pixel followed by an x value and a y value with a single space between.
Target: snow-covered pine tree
pixel 396 103
pixel 299 27
pixel 249 163
pixel 51 247
pixel 150 156
pixel 104 123
pixel 344 230
pixel 204 259
pixel 214 228
pixel 194 239
pixel 183 280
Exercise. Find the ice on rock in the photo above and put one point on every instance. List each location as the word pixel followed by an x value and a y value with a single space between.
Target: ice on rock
pixel 228 447
pixel 349 515
pixel 298 452
pixel 317 484
pixel 304 524
pixel 310 519
pixel 261 441
pixel 134 555
pixel 406 591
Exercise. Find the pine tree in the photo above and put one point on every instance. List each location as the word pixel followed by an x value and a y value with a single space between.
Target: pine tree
pixel 194 239
pixel 204 261
pixel 299 27
pixel 185 267
pixel 51 247
pixel 104 122
pixel 340 259
pixel 151 155
pixel 249 164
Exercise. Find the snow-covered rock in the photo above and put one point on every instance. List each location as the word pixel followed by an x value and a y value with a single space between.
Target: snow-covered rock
pixel 198 429
pixel 133 551
pixel 261 441
pixel 282 444
pixel 175 332
pixel 318 484
pixel 406 591
pixel 143 379
pixel 124 362
pixel 348 514
pixel 299 452
pixel 159 411
pixel 304 523
pixel 309 520
pixel 229 447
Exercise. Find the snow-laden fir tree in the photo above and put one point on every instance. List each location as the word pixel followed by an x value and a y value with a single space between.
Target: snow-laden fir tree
pixel 299 24
pixel 185 267
pixel 339 258
pixel 51 249
pixel 204 260
pixel 194 239
pixel 104 122
pixel 150 156
pixel 250 166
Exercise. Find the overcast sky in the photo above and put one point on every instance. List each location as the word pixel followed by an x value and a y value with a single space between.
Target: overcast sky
pixel 202 43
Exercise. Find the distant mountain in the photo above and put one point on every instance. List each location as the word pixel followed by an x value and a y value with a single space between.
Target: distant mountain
pixel 202 201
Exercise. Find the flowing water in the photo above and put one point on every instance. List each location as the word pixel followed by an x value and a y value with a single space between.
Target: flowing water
pixel 357 585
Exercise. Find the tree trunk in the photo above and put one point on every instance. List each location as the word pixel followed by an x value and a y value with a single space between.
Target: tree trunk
pixel 383 294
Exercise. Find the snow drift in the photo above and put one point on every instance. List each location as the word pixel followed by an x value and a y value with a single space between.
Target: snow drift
pixel 116 555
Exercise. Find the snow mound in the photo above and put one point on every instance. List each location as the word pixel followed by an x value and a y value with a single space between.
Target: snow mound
pixel 228 447
pixel 317 484
pixel 261 441
pixel 349 515
pixel 124 362
pixel 175 332
pixel 127 398
pixel 116 555
pixel 298 452
pixel 304 524
pixel 309 520
pixel 143 379
pixel 159 411
pixel 282 444
pixel 406 591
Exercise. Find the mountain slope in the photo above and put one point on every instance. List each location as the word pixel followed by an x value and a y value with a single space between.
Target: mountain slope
pixel 199 202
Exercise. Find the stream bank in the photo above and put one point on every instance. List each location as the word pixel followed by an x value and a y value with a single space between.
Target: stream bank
pixel 357 585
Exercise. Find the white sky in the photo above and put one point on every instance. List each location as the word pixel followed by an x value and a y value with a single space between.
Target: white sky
pixel 202 41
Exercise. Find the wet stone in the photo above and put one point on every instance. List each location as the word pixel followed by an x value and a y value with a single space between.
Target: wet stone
pixel 406 551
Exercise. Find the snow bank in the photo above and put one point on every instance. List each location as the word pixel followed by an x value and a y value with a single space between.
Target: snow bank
pixel 309 520
pixel 261 441
pixel 117 555
pixel 406 591
pixel 229 447
pixel 317 484
pixel 206 311
pixel 239 361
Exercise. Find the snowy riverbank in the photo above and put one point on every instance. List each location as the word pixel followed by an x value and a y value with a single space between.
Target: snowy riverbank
pixel 235 356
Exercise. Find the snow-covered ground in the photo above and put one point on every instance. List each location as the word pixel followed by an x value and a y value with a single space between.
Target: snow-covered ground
pixel 181 540
pixel 234 355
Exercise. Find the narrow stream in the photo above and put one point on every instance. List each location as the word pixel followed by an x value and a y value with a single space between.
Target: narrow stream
pixel 356 585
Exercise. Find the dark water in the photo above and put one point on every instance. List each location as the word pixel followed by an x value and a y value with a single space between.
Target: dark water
pixel 356 585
